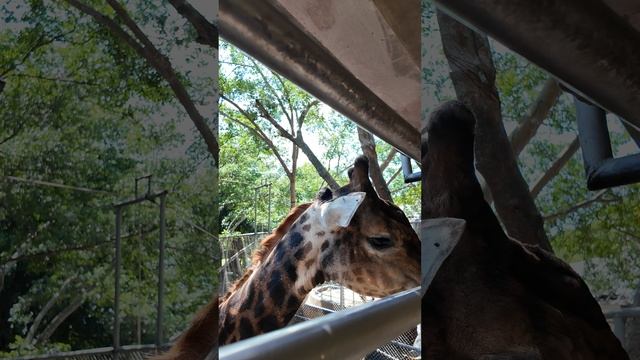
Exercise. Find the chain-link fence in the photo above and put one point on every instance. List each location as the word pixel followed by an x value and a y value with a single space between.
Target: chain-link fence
pixel 236 256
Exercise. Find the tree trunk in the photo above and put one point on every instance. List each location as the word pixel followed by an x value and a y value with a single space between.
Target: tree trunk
pixel 207 32
pixel 292 190
pixel 43 312
pixel 368 145
pixel 473 77
pixel 555 167
pixel 539 111
pixel 387 161
pixel 300 143
pixel 313 159
pixel 60 318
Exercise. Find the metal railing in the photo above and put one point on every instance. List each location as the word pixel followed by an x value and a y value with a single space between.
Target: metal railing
pixel 348 334
pixel 619 318
pixel 127 352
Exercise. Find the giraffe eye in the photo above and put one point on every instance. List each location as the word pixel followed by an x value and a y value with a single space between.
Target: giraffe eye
pixel 380 242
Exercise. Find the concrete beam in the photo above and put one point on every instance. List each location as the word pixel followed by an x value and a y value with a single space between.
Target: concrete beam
pixel 583 43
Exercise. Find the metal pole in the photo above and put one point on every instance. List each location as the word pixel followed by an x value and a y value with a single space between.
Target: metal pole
pixel 160 308
pixel 255 210
pixel 601 168
pixel 619 329
pixel 269 211
pixel 407 171
pixel 116 306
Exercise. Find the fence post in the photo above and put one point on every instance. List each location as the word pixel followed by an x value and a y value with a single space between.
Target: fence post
pixel 159 314
pixel 619 323
pixel 116 306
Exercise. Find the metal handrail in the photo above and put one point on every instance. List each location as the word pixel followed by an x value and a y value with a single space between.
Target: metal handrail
pixel 619 321
pixel 148 348
pixel 348 334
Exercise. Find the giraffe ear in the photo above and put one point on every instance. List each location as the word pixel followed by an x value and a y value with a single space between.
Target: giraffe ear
pixel 340 211
pixel 439 237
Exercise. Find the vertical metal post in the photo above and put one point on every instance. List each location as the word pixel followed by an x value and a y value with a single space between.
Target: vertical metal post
pixel 255 210
pixel 619 329
pixel 160 309
pixel 269 211
pixel 116 306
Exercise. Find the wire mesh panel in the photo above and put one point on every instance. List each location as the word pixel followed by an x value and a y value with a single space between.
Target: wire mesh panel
pixel 236 256
pixel 331 297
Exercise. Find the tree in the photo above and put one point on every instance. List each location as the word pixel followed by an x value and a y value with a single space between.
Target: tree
pixel 265 104
pixel 160 62
pixel 260 138
pixel 82 114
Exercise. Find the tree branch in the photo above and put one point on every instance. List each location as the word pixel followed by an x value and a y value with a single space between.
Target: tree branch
pixel 207 31
pixel 289 116
pixel 40 42
pixel 565 155
pixel 538 111
pixel 51 252
pixel 69 81
pixel 394 176
pixel 299 141
pixel 392 153
pixel 60 318
pixel 303 114
pixel 38 320
pixel 596 198
pixel 158 61
pixel 256 130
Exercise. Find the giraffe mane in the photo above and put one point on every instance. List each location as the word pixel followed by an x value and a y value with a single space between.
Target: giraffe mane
pixel 266 246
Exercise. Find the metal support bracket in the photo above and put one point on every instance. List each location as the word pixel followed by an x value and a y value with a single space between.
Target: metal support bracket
pixel 148 196
pixel 407 171
pixel 601 168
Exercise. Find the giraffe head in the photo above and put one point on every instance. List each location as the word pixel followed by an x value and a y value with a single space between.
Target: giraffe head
pixel 359 240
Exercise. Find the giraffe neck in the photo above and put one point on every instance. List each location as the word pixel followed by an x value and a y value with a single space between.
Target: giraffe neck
pixel 269 299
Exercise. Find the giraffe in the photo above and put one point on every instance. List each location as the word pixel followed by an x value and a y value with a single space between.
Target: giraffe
pixel 349 235
pixel 494 297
